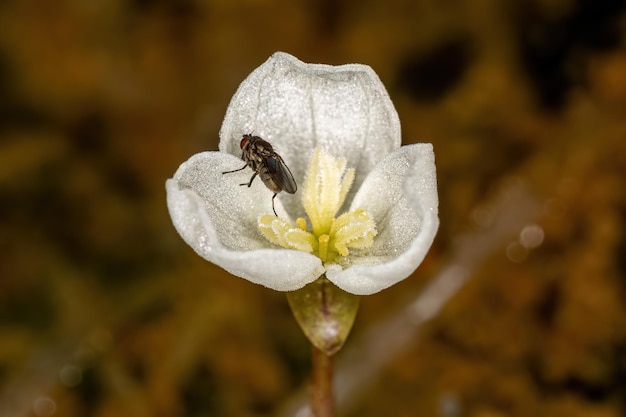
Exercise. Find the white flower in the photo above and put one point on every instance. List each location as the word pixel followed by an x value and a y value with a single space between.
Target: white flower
pixel 374 200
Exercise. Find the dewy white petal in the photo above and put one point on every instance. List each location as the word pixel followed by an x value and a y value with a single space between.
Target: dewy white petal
pixel 233 208
pixel 401 196
pixel 297 107
pixel 218 219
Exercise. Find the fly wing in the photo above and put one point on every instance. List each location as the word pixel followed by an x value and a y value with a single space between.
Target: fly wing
pixel 280 174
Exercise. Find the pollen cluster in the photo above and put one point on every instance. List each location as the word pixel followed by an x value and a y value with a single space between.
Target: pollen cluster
pixel 326 185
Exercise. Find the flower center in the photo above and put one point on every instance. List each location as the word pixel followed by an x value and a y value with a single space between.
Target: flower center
pixel 326 184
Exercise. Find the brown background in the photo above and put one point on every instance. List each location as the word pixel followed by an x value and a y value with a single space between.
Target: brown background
pixel 104 311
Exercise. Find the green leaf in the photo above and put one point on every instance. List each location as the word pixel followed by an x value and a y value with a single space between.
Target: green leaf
pixel 325 313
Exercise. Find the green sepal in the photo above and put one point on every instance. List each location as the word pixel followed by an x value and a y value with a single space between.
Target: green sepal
pixel 325 313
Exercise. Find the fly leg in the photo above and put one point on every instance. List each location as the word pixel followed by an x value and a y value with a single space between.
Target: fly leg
pixel 251 179
pixel 273 204
pixel 240 169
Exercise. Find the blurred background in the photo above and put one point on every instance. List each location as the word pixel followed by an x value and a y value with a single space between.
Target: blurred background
pixel 105 311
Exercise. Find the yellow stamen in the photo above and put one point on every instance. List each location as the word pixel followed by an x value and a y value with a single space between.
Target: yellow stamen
pixel 301 222
pixel 323 247
pixel 326 185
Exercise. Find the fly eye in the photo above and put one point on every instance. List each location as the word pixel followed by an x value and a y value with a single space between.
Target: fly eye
pixel 244 142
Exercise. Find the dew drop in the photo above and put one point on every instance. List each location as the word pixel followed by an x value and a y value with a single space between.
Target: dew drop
pixel 516 252
pixel 531 236
pixel 44 407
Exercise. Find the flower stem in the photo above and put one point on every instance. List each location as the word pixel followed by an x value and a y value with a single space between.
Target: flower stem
pixel 322 401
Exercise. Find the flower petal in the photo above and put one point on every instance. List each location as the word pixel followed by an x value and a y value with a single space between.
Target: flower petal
pixel 401 196
pixel 218 219
pixel 298 107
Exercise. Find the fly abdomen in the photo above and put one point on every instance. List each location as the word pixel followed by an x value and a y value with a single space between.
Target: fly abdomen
pixel 259 155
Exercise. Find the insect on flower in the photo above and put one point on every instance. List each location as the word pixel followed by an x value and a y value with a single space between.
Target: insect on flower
pixel 260 156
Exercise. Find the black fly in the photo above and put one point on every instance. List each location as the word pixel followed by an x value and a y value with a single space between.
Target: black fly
pixel 260 156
